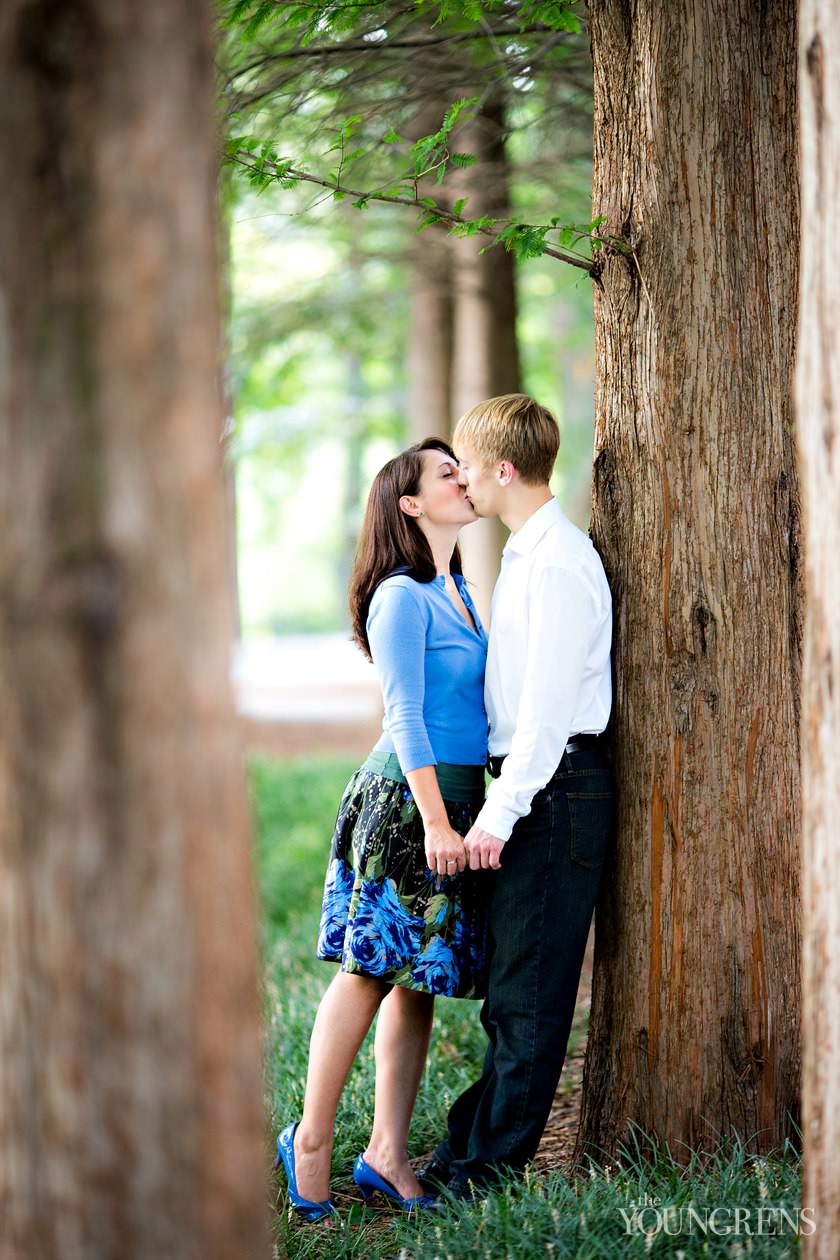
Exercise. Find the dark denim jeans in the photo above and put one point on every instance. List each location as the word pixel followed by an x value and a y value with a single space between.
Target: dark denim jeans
pixel 540 911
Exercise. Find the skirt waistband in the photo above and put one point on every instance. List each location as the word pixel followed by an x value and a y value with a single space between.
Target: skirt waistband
pixel 457 783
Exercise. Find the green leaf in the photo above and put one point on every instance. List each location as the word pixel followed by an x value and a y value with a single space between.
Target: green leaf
pixel 349 125
pixel 427 147
pixel 401 190
pixel 472 227
pixel 459 206
pixel 558 15
pixel 427 221
pixel 463 160
pixel 392 137
pixel 456 109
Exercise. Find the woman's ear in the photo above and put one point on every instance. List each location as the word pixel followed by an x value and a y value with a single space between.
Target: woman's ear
pixel 409 506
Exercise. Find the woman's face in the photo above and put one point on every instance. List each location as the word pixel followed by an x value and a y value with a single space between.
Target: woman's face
pixel 441 499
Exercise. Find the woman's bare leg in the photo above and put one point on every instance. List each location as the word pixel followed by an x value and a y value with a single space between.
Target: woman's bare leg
pixel 344 1016
pixel 402 1042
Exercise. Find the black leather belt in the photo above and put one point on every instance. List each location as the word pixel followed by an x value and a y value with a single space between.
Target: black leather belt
pixel 578 743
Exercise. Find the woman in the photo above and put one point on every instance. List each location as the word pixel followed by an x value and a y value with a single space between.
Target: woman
pixel 400 913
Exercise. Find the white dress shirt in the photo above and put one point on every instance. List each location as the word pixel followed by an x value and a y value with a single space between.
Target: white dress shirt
pixel 548 662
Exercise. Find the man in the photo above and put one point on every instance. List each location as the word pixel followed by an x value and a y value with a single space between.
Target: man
pixel 547 819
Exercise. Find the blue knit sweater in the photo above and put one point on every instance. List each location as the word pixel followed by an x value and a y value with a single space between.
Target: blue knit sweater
pixel 430 664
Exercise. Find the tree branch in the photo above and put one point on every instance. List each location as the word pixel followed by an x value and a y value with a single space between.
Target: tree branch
pixel 249 163
pixel 326 50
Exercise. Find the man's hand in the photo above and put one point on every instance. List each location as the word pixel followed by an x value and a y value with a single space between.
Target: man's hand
pixel 484 850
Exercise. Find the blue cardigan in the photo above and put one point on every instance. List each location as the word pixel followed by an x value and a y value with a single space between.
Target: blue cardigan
pixel 431 670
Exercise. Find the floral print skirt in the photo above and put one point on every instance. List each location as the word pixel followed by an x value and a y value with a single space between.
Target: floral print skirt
pixel 384 913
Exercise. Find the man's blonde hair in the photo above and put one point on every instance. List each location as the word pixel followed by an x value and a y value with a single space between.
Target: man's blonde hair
pixel 515 428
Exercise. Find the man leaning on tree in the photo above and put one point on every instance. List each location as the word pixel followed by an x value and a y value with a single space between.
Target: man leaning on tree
pixel 546 823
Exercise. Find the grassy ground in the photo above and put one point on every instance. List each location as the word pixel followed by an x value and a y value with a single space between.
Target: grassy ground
pixel 721 1205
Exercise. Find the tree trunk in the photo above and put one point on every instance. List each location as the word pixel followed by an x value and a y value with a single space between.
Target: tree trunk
pixel 430 333
pixel 694 1013
pixel 130 1092
pixel 818 400
pixel 429 357
pixel 486 352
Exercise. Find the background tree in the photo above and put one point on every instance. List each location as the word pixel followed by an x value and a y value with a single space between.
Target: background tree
pixel 374 80
pixel 130 1093
pixel 316 373
pixel 818 399
pixel 694 1024
pixel 694 1029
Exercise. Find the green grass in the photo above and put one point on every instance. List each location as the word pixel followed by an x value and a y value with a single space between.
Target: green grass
pixel 624 1210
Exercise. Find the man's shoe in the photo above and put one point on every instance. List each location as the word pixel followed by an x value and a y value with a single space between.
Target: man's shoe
pixel 436 1173
pixel 463 1189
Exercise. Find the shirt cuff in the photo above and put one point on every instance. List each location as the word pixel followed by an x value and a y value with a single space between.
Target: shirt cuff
pixel 496 820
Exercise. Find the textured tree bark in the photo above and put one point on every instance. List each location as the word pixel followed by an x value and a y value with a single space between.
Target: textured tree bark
pixel 486 351
pixel 818 400
pixel 130 1086
pixel 694 1014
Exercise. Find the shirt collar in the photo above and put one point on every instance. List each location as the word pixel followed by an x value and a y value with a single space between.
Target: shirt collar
pixel 526 538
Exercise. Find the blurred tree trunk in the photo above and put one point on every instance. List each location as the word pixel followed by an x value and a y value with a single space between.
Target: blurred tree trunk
pixel 229 464
pixel 694 1028
pixel 353 485
pixel 486 352
pixel 430 333
pixel 818 402
pixel 231 540
pixel 130 1093
pixel 429 359
pixel 462 344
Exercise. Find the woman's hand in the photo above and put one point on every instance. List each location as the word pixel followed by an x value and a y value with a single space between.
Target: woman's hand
pixel 445 852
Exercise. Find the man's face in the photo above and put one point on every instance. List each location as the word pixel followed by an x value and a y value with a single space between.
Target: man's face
pixel 480 481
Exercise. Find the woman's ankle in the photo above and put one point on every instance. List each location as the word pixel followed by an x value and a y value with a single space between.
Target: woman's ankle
pixel 392 1164
pixel 311 1141
pixel 312 1164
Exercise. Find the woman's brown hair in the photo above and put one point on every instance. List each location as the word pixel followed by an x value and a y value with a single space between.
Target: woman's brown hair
pixel 390 540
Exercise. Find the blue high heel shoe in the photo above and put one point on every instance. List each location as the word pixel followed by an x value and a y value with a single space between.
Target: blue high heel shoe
pixel 369 1181
pixel 305 1208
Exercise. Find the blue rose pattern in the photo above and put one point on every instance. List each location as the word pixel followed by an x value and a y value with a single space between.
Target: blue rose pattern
pixel 435 968
pixel 337 891
pixel 383 935
pixel 377 915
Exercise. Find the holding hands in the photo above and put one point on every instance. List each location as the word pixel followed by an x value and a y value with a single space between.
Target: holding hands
pixel 484 850
pixel 448 854
pixel 445 852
